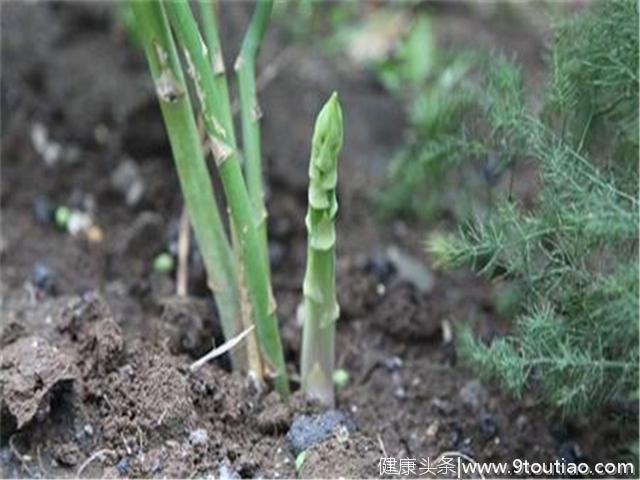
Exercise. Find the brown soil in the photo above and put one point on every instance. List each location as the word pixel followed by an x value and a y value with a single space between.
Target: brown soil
pixel 94 371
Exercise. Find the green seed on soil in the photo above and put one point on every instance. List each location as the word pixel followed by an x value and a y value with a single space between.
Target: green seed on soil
pixel 62 216
pixel 163 263
pixel 340 378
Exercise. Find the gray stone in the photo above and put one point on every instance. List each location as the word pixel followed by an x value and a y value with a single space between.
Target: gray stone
pixel 411 269
pixel 309 430
pixel 198 436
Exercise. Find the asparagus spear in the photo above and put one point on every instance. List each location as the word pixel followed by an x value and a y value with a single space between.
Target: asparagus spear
pixel 320 307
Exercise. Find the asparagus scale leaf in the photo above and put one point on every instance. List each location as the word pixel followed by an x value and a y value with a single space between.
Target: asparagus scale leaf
pixel 320 308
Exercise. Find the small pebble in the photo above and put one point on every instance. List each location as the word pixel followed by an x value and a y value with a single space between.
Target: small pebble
pixel 473 394
pixel 126 179
pixel 95 234
pixel 43 278
pixel 400 392
pixel 411 269
pixel 123 466
pixel 225 472
pixel 393 363
pixel 521 422
pixel 78 222
pixel 570 452
pixel 380 265
pixel 433 429
pixel 44 210
pixel 198 436
pixel 443 406
pixel 49 150
pixel 465 448
pixel 309 430
pixel 6 455
pixel 127 370
pixel 101 134
pixel 487 426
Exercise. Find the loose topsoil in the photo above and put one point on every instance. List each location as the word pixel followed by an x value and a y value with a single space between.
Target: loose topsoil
pixel 95 347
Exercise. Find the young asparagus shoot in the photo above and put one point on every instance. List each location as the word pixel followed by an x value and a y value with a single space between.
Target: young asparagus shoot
pixel 153 30
pixel 253 265
pixel 320 307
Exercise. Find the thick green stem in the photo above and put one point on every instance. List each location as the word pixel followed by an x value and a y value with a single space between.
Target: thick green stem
pixel 253 267
pixel 223 112
pixel 177 112
pixel 212 38
pixel 320 306
pixel 251 114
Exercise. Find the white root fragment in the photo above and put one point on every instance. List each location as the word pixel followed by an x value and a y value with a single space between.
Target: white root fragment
pixel 222 349
pixel 94 456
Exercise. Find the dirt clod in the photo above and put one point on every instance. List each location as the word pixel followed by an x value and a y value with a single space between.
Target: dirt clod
pixel 355 457
pixel 190 324
pixel 68 454
pixel 408 315
pixel 25 383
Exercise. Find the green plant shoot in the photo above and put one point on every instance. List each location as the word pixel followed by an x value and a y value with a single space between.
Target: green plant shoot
pixel 208 16
pixel 251 114
pixel 177 112
pixel 320 308
pixel 253 266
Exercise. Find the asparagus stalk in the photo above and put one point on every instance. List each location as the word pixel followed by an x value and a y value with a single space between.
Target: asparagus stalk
pixel 253 266
pixel 320 306
pixel 250 114
pixel 177 112
pixel 223 112
pixel 212 38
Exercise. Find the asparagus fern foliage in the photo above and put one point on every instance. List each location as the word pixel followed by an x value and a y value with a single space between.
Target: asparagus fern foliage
pixel 575 254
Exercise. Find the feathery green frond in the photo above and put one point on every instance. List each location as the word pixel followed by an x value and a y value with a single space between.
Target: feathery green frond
pixel 576 252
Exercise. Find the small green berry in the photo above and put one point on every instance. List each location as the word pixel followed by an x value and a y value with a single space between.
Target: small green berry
pixel 340 378
pixel 62 216
pixel 163 263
